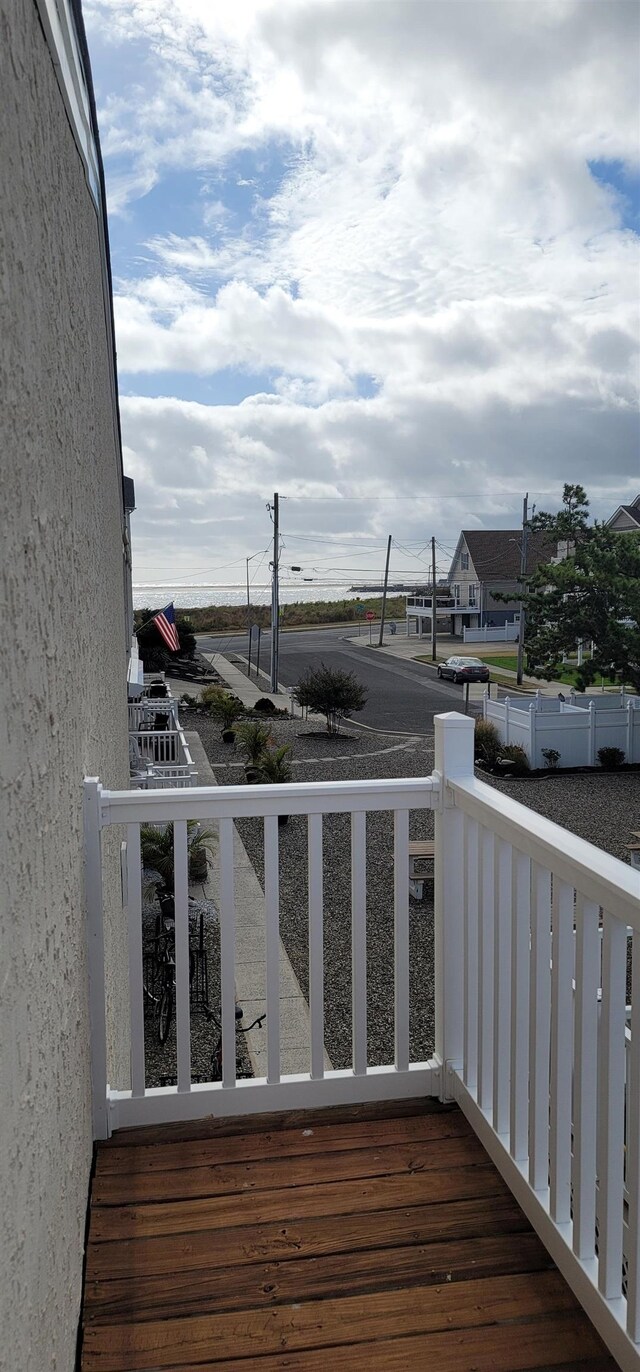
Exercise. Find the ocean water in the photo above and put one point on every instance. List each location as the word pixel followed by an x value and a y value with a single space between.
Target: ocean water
pixel 153 596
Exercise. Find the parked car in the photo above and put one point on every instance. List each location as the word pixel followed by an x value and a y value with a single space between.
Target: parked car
pixel 464 669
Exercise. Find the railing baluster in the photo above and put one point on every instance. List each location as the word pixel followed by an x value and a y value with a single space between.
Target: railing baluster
pixel 540 1030
pixel 502 987
pixel 181 907
pixel 562 946
pixel 227 952
pixel 610 1148
pixel 520 973
pixel 401 936
pixel 584 1074
pixel 359 939
pixel 272 930
pixel 486 954
pixel 136 993
pixel 633 1153
pixel 316 945
pixel 471 907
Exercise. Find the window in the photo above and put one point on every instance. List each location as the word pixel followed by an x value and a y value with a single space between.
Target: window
pixel 464 562
pixel 473 592
pixel 455 591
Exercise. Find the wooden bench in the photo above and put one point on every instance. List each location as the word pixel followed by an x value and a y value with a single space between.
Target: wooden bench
pixel 420 850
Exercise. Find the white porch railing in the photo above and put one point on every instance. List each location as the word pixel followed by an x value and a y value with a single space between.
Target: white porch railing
pixel 531 1036
pixel 162 745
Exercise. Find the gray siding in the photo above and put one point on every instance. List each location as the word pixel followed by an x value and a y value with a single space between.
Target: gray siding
pixel 62 695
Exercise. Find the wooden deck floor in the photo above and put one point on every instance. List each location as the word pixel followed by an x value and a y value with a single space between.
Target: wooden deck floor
pixel 376 1238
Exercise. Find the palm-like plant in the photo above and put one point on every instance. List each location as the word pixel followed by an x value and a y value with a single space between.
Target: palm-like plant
pixel 274 765
pixel 156 848
pixel 254 738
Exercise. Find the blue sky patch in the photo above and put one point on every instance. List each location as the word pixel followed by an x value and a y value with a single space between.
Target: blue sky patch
pixel 626 184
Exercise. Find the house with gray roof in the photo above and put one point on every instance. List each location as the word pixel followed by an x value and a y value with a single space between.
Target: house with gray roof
pixel 626 519
pixel 486 563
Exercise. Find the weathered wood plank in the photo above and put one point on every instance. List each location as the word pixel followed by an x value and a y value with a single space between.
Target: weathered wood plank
pixel 255 1243
pixel 275 1283
pixel 307 1142
pixel 300 1202
pixel 321 1324
pixel 226 1126
pixel 562 1340
pixel 276 1173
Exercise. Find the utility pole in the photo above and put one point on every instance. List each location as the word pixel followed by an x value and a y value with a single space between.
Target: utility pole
pixel 434 612
pixel 275 608
pixel 523 573
pixel 248 624
pixel 384 591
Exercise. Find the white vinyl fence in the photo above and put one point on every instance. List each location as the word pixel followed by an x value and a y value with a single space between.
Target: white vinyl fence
pixel 575 731
pixel 504 633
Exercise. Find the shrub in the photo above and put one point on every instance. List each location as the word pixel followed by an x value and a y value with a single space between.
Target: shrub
pixel 209 694
pixel 255 739
pixel 265 706
pixel 332 693
pixel 487 743
pixel 551 757
pixel 274 765
pixel 514 752
pixel 610 758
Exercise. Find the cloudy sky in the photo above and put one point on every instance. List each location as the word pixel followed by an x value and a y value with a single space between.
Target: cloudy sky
pixel 378 255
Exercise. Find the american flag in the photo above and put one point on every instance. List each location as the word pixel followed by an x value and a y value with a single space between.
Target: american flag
pixel 166 623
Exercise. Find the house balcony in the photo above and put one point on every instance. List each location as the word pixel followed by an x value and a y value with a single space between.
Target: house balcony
pixel 476 1207
pixel 158 749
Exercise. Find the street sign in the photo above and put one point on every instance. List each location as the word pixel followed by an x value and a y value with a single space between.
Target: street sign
pixel 370 614
pixel 359 609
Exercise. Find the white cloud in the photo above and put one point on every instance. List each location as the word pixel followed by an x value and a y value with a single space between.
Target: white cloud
pixel 435 227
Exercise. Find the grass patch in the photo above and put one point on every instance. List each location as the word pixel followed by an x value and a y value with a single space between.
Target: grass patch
pixel 506 663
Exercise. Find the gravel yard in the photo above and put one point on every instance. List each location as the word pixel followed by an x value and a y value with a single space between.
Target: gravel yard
pixel 598 807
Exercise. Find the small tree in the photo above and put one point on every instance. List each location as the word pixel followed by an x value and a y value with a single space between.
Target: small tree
pixel 330 692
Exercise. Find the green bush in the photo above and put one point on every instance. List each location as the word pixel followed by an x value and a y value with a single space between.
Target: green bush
pixel 274 765
pixel 254 738
pixel 514 752
pixel 487 745
pixel 610 758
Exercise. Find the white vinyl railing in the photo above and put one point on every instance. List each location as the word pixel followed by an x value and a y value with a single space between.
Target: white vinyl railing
pixel 165 746
pixel 540 1058
pixel 222 805
pixel 531 1030
pixel 143 712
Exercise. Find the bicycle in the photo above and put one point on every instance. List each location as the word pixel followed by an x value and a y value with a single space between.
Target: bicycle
pixel 216 1059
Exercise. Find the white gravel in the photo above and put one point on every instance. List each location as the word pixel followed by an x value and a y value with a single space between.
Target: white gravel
pixel 599 807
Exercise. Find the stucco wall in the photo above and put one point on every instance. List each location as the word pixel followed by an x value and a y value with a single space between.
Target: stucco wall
pixel 62 696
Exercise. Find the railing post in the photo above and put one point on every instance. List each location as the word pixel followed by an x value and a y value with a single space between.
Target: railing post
pixel 507 705
pixel 454 736
pixel 95 956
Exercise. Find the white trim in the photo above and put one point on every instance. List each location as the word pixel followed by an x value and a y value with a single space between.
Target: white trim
pixel 295 798
pixel 607 1316
pixel 602 878
pixel 255 1096
pixel 60 32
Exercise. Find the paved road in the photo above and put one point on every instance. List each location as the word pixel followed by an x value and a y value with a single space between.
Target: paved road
pixel 403 695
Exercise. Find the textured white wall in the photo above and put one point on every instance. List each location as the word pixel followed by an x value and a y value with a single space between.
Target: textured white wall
pixel 62 696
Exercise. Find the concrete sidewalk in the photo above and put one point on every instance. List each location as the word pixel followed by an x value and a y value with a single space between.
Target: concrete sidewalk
pixel 250 946
pixel 247 690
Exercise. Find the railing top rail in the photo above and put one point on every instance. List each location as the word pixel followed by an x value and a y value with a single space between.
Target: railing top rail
pixel 294 798
pixel 603 879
